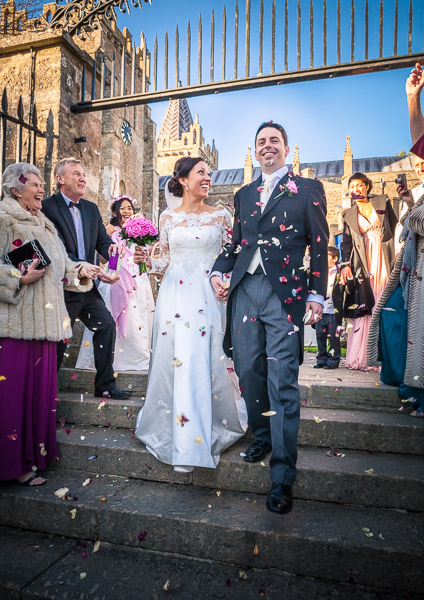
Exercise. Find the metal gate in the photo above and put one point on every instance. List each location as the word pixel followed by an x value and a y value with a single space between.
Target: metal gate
pixel 326 55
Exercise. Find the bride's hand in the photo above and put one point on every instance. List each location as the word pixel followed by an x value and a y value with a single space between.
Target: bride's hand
pixel 220 287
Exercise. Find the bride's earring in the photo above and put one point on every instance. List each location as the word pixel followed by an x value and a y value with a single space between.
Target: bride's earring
pixel 186 187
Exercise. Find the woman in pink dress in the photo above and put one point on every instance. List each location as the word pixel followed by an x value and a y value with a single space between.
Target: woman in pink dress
pixel 368 256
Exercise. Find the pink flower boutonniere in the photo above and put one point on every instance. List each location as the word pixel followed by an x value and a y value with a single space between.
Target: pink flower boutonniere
pixel 288 189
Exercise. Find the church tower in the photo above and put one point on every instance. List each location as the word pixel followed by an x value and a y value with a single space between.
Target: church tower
pixel 180 136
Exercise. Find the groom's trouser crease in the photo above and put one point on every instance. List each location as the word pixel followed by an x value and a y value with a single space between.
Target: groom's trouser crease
pixel 266 359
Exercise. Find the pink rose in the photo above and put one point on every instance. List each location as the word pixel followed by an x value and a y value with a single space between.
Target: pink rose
pixel 292 186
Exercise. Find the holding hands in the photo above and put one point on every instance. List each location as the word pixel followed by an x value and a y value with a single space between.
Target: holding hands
pixel 220 287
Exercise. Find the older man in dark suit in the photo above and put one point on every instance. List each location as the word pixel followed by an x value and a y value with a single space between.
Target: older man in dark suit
pixel 79 224
pixel 270 297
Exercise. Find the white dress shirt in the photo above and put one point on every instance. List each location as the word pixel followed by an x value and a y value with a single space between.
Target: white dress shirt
pixel 77 219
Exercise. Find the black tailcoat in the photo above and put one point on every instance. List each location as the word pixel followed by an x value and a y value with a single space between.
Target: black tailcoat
pixel 95 236
pixel 283 231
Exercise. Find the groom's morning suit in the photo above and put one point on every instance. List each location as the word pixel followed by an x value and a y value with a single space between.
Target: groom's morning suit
pixel 82 231
pixel 265 311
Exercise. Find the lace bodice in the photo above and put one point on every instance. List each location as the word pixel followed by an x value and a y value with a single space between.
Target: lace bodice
pixel 191 241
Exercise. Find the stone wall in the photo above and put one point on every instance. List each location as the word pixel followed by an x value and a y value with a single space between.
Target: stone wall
pixel 54 63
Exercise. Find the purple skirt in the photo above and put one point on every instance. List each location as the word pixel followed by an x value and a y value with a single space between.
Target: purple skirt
pixel 27 406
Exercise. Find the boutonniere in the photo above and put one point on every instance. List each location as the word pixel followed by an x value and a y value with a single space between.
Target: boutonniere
pixel 288 189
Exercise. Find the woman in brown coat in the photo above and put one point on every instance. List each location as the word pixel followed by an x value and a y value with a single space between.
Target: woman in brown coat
pixel 368 256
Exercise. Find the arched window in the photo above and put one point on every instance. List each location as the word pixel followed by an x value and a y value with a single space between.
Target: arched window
pixel 48 16
pixel 122 190
pixel 20 25
pixel 194 136
pixel 185 141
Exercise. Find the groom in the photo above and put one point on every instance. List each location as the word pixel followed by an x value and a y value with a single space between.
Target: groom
pixel 270 297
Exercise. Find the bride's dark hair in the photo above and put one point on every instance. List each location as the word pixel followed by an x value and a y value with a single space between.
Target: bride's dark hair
pixel 182 168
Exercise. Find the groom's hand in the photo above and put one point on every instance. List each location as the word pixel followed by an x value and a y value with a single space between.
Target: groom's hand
pixel 220 288
pixel 314 309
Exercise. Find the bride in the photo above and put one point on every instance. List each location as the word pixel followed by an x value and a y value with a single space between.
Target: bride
pixel 193 410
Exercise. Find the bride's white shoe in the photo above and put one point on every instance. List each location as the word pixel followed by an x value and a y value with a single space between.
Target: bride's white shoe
pixel 183 469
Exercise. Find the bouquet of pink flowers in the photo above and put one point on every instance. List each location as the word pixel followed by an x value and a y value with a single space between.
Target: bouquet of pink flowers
pixel 140 231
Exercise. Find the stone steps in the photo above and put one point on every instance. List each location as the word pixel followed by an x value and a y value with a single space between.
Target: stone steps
pixel 58 568
pixel 369 479
pixel 320 540
pixel 331 389
pixel 350 429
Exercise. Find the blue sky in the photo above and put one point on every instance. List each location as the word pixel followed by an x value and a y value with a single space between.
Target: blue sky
pixel 317 115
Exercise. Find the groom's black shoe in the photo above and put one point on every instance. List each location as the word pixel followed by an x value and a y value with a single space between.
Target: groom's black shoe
pixel 280 499
pixel 257 451
pixel 114 394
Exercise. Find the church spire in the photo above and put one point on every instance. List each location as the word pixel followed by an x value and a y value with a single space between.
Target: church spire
pixel 348 158
pixel 248 168
pixel 177 120
pixel 296 161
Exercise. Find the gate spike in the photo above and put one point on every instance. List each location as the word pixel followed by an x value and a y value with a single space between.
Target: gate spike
pixel 177 58
pixel 224 42
pixel 199 51
pixel 261 36
pixel 236 20
pixel 247 53
pixel 155 65
pixel 286 36
pixel 366 29
pixel 311 25
pixel 166 61
pixel 299 33
pixel 395 31
pixel 188 52
pixel 338 32
pixel 324 31
pixel 273 37
pixel 212 62
pixel 380 33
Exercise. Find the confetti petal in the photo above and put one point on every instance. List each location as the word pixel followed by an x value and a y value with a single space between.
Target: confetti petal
pixel 61 492
pixel 269 413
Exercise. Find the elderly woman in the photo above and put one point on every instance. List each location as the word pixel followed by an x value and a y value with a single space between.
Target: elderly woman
pixel 368 256
pixel 33 319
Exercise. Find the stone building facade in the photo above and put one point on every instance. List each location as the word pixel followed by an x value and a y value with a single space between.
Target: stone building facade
pixel 46 68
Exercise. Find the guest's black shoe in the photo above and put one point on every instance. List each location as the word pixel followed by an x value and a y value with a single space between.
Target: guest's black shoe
pixel 257 451
pixel 331 366
pixel 280 499
pixel 319 366
pixel 113 394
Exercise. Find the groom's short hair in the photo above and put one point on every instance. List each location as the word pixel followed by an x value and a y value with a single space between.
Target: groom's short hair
pixel 277 126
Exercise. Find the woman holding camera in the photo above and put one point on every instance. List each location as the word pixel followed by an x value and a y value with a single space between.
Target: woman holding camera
pixel 368 256
pixel 33 319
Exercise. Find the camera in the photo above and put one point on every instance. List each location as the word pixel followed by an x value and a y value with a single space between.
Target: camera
pixel 401 180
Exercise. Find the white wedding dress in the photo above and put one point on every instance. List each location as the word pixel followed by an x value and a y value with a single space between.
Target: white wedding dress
pixel 193 410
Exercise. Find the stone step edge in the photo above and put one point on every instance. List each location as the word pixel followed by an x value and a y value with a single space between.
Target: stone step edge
pixel 337 542
pixel 67 560
pixel 320 477
pixel 122 414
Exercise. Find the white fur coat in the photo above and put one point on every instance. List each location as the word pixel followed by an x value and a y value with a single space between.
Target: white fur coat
pixel 35 311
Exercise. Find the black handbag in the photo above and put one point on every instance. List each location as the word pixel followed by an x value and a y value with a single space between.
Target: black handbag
pixel 25 254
